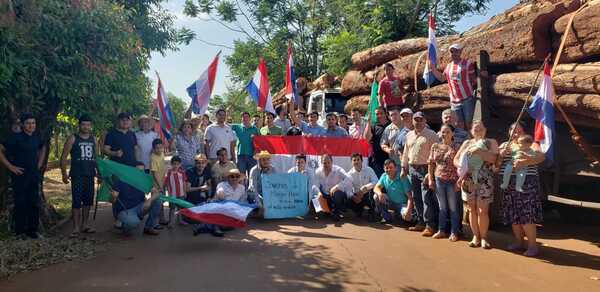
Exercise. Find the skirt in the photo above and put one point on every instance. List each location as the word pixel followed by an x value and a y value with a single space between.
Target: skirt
pixel 519 208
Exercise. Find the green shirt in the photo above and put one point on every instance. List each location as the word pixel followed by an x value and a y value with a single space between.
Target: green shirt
pixel 244 135
pixel 271 131
pixel 396 189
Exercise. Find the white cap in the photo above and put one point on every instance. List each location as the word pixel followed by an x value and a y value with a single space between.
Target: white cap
pixel 406 111
pixel 456 46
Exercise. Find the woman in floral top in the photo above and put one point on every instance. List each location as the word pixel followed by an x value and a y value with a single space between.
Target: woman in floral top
pixel 187 145
pixel 442 179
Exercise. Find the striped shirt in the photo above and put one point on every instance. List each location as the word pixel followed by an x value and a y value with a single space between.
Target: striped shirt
pixel 460 85
pixel 531 169
pixel 175 181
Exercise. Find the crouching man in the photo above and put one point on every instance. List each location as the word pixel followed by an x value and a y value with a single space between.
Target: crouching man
pixel 130 206
pixel 393 192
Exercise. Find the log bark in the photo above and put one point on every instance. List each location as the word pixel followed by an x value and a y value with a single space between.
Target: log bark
pixel 578 80
pixel 355 83
pixel 359 101
pixel 378 55
pixel 583 41
pixel 587 105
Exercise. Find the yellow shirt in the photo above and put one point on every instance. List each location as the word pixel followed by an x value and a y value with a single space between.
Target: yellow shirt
pixel 417 147
pixel 157 165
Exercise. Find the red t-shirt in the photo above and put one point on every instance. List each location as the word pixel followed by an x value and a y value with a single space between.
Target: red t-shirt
pixel 390 90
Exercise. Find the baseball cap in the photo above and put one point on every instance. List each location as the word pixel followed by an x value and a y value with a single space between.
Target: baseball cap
pixel 418 115
pixel 406 111
pixel 456 46
pixel 124 115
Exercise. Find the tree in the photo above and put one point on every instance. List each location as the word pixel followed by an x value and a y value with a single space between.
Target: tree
pixel 324 33
pixel 234 101
pixel 178 107
pixel 79 57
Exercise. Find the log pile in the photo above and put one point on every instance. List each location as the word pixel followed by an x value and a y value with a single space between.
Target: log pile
pixel 305 88
pixel 517 41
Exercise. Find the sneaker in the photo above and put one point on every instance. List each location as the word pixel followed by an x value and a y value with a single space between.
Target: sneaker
pixel 439 235
pixel 118 224
pixel 417 228
pixel 151 231
pixel 217 232
pixel 532 252
pixel 485 244
pixel 427 232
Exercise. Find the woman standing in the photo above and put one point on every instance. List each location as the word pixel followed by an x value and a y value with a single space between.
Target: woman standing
pixel 187 145
pixel 442 179
pixel 522 209
pixel 478 188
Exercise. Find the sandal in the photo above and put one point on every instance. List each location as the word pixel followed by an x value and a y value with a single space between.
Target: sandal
pixel 474 243
pixel 89 230
pixel 485 244
pixel 515 247
pixel 453 237
pixel 532 252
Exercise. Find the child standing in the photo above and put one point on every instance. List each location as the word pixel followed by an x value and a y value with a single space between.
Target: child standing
pixel 175 183
pixel 157 171
pixel 521 151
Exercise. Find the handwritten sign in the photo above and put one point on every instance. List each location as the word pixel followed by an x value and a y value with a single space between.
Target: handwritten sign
pixel 285 195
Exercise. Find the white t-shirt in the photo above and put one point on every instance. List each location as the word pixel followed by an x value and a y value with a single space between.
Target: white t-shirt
pixel 144 141
pixel 225 190
pixel 219 137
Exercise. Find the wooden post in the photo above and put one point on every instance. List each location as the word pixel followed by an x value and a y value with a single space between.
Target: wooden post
pixel 484 87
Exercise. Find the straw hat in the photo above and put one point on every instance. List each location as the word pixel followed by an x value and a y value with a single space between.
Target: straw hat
pixel 262 154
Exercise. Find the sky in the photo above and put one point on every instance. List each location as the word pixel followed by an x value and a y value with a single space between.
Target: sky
pixel 180 69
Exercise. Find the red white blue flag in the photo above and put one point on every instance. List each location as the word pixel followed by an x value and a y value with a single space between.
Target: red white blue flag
pixel 201 90
pixel 258 88
pixel 542 110
pixel 283 150
pixel 431 53
pixel 222 213
pixel 290 79
pixel 167 121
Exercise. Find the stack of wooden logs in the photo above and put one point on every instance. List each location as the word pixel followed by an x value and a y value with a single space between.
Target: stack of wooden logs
pixel 517 42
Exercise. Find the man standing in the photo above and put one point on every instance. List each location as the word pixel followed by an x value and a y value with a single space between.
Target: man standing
pixel 390 133
pixel 312 128
pixel 244 132
pixel 270 128
pixel 282 121
pixel 460 135
pixel 120 143
pixel 333 130
pixel 145 136
pixel 343 122
pixel 357 129
pixel 414 163
pixel 23 155
pixel 218 136
pixel 460 74
pixel 82 148
pixel 255 186
pixel 332 183
pixel 390 90
pixel 407 125
pixel 363 180
pixel 257 121
pixel 373 135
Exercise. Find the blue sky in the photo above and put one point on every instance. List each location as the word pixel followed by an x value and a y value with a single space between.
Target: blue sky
pixel 179 69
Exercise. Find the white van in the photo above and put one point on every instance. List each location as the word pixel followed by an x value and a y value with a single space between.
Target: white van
pixel 326 101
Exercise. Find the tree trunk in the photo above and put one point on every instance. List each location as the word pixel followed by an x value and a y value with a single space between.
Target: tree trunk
pixel 355 83
pixel 358 101
pixel 378 55
pixel 584 39
pixel 569 78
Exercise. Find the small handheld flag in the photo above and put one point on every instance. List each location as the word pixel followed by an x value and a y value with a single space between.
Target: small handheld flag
pixel 167 121
pixel 373 102
pixel 258 88
pixel 290 79
pixel 201 90
pixel 542 110
pixel 431 53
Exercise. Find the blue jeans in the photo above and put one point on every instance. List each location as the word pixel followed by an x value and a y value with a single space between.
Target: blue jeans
pixel 464 110
pixel 245 164
pixel 131 218
pixel 425 202
pixel 384 207
pixel 336 202
pixel 447 199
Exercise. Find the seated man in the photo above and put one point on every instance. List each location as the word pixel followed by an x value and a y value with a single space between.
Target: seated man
pixel 229 190
pixel 221 167
pixel 301 168
pixel 198 181
pixel 255 186
pixel 363 181
pixel 332 183
pixel 393 192
pixel 130 206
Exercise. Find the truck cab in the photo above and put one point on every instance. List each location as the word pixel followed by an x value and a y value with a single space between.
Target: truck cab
pixel 326 101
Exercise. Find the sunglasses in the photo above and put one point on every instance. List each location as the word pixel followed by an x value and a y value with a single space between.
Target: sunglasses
pixel 234 176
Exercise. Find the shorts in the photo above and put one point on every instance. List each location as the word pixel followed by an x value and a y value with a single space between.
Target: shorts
pixel 82 191
pixel 464 110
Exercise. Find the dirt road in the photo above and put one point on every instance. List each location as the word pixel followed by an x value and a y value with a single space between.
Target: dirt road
pixel 301 255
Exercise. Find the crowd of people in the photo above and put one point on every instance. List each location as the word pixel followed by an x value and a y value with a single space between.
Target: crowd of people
pixel 415 176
